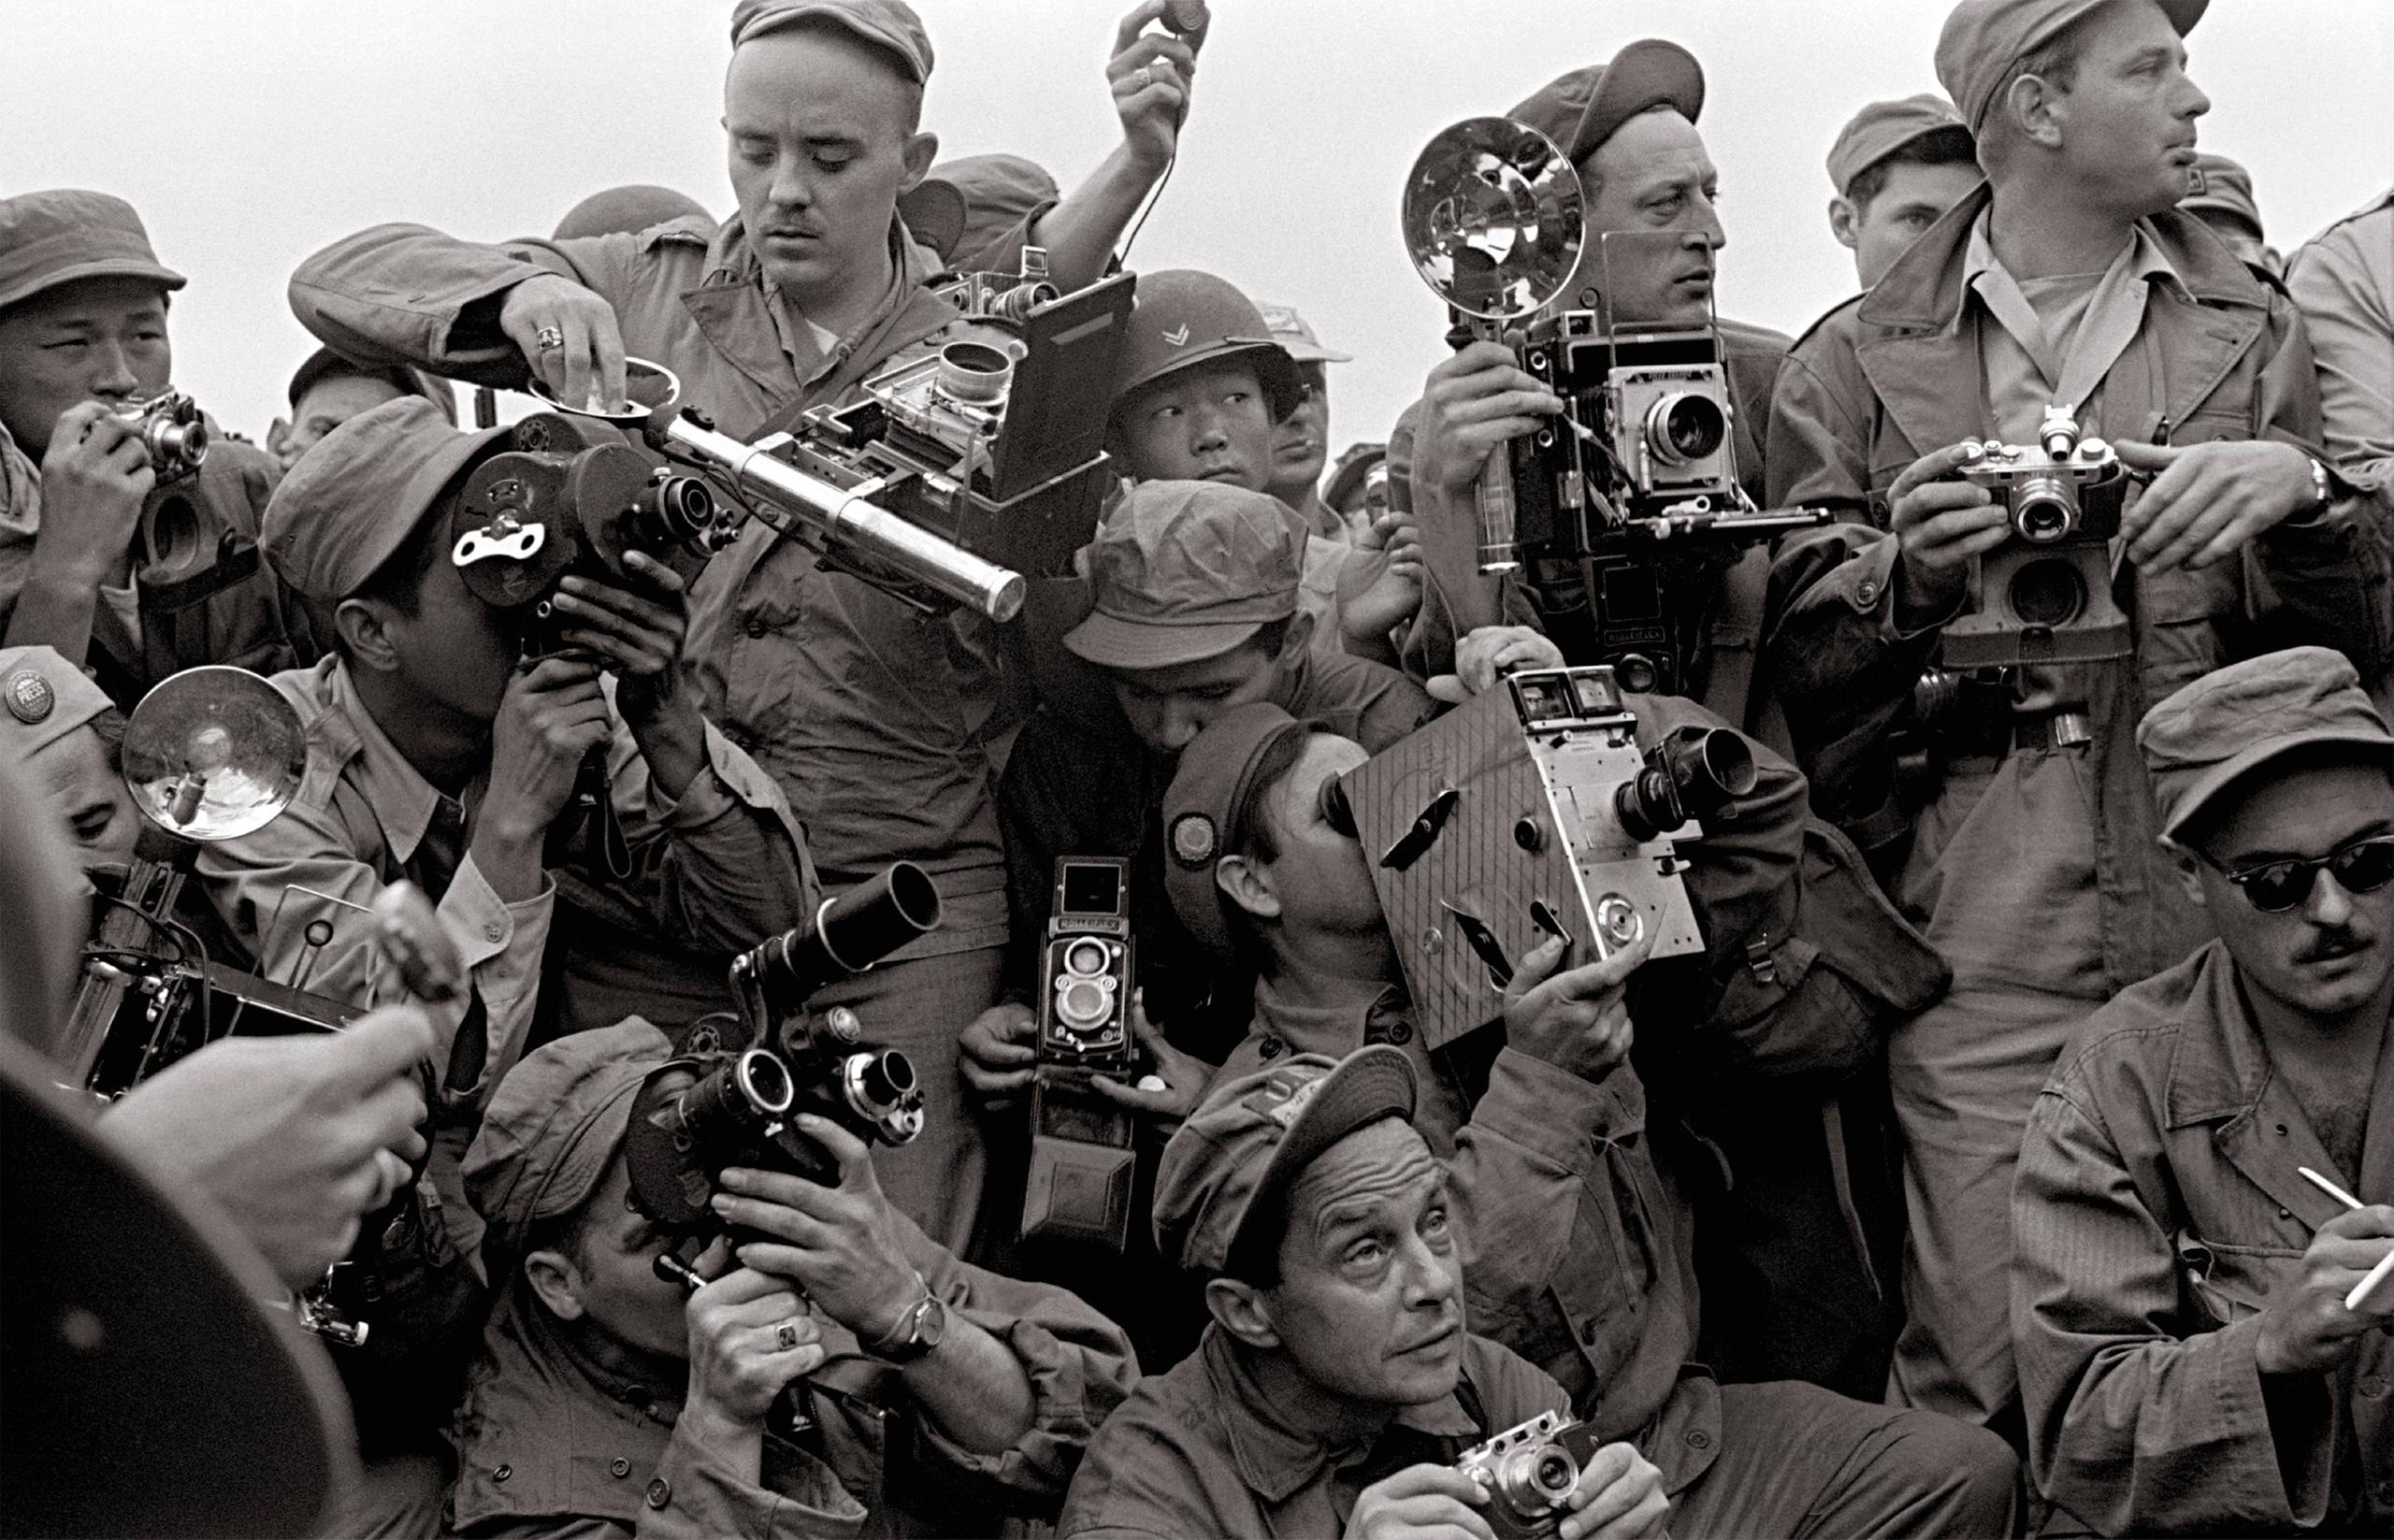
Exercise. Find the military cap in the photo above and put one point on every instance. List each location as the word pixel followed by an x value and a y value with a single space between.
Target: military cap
pixel 1882 128
pixel 554 1123
pixel 965 205
pixel 889 25
pixel 1985 40
pixel 324 364
pixel 1184 570
pixel 353 499
pixel 2230 722
pixel 1296 338
pixel 1581 109
pixel 1232 1164
pixel 1215 777
pixel 1353 465
pixel 2223 188
pixel 627 210
pixel 43 697
pixel 1180 317
pixel 65 234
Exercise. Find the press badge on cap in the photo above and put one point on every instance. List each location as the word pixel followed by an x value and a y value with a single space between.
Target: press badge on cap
pixel 1193 840
pixel 31 699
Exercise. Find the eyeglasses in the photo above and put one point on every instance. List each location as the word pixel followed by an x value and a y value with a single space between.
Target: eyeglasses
pixel 2275 886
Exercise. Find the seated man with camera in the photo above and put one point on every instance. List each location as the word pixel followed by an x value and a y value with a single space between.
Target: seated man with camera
pixel 1964 684
pixel 937 1398
pixel 880 721
pixel 128 528
pixel 2202 1293
pixel 1576 1233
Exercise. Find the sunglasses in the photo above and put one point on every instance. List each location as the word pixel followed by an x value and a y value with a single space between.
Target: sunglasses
pixel 2275 886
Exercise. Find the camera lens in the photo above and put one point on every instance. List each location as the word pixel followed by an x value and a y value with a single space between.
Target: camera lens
pixel 877 1083
pixel 1084 1002
pixel 2047 592
pixel 974 373
pixel 1084 959
pixel 1536 1480
pixel 1683 427
pixel 2044 511
pixel 764 1081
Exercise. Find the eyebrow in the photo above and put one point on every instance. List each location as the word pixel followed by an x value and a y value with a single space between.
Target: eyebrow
pixel 2152 53
pixel 2375 829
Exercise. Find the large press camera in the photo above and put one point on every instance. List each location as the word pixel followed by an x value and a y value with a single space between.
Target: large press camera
pixel 1533 813
pixel 1621 511
pixel 1529 1473
pixel 956 473
pixel 2045 595
pixel 1082 1159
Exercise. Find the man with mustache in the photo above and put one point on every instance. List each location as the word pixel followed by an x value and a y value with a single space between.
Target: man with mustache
pixel 2069 277
pixel 884 725
pixel 2190 1353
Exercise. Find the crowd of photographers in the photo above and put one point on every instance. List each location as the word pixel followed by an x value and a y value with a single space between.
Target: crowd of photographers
pixel 2006 1143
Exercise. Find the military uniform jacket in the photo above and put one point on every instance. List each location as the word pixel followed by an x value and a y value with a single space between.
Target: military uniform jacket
pixel 1895 374
pixel 2157 1208
pixel 877 719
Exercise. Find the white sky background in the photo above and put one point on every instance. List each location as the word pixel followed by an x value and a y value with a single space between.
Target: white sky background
pixel 249 132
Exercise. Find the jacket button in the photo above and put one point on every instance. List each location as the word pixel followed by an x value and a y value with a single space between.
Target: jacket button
pixel 492 933
pixel 1269 1047
pixel 2372 1386
pixel 660 1491
pixel 503 1472
pixel 1698 1439
pixel 619 1467
pixel 756 626
pixel 1400 1033
pixel 1588 1332
pixel 1867 592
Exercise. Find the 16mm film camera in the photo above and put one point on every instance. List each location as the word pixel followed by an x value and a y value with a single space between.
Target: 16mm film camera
pixel 1081 1155
pixel 2045 595
pixel 1529 1473
pixel 1531 812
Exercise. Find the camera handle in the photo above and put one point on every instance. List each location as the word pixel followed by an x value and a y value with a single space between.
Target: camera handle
pixel 1500 547
pixel 589 818
pixel 792 1412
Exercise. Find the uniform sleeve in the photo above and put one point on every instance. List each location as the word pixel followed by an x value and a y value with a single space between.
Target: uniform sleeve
pixel 2343 283
pixel 306 866
pixel 1036 796
pixel 405 294
pixel 2135 1426
pixel 724 866
pixel 1550 1192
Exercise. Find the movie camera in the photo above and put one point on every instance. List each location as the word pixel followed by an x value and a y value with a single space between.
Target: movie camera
pixel 1531 812
pixel 2045 595
pixel 1622 510
pixel 954 473
pixel 213 753
pixel 1082 1159
pixel 1529 1473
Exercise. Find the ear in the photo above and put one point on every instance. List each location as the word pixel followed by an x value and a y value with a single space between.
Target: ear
pixel 363 627
pixel 1248 884
pixel 1843 217
pixel 2190 875
pixel 2033 106
pixel 1241 1309
pixel 1298 637
pixel 921 150
pixel 558 1283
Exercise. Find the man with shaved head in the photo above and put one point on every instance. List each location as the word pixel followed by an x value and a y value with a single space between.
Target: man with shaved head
pixel 880 722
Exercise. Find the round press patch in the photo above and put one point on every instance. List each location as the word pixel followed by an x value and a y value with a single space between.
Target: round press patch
pixel 1193 840
pixel 30 697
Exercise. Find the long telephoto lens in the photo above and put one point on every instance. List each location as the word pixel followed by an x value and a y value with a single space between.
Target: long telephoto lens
pixel 849 933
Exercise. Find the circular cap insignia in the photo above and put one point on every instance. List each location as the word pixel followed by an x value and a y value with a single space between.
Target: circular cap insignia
pixel 30 697
pixel 1193 840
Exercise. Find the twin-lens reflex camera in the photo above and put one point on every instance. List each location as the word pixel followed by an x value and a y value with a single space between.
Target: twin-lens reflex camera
pixel 1082 1159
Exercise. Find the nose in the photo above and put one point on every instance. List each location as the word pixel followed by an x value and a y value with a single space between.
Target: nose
pixel 114 380
pixel 791 189
pixel 1708 225
pixel 1431 1279
pixel 2330 905
pixel 1206 429
pixel 1181 722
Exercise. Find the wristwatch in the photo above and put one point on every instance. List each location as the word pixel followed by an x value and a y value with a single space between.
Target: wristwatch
pixel 918 1332
pixel 2323 494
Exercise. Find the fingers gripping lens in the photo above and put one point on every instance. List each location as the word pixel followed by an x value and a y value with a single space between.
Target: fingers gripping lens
pixel 2275 886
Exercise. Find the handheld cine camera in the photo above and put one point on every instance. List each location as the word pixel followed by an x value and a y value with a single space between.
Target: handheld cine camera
pixel 2045 595
pixel 1533 813
pixel 1528 1473
pixel 1081 1154
pixel 738 1082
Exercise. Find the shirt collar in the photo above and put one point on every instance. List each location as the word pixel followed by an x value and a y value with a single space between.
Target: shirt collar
pixel 731 260
pixel 1276 1459
pixel 1334 1029
pixel 2142 257
pixel 403 800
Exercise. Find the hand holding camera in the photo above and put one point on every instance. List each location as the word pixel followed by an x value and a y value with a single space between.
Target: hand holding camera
pixel 1472 405
pixel 1151 74
pixel 1574 1018
pixel 1380 581
pixel 1549 1477
pixel 750 1334
pixel 2207 500
pixel 1183 1077
pixel 997 1054
pixel 838 1243
pixel 640 632
pixel 569 339
pixel 95 477
pixel 1942 525
pixel 553 714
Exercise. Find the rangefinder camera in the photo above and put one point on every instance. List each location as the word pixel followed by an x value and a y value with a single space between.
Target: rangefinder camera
pixel 2045 596
pixel 573 497
pixel 1081 1154
pixel 1529 1473
pixel 172 429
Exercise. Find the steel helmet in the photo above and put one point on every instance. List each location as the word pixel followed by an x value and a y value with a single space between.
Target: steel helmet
pixel 1182 318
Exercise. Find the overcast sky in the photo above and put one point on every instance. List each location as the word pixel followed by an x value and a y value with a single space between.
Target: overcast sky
pixel 249 132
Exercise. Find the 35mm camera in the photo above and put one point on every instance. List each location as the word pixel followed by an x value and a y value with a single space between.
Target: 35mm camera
pixel 2044 596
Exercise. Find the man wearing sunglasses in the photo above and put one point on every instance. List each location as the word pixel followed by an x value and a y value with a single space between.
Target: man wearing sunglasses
pixel 2195 1352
